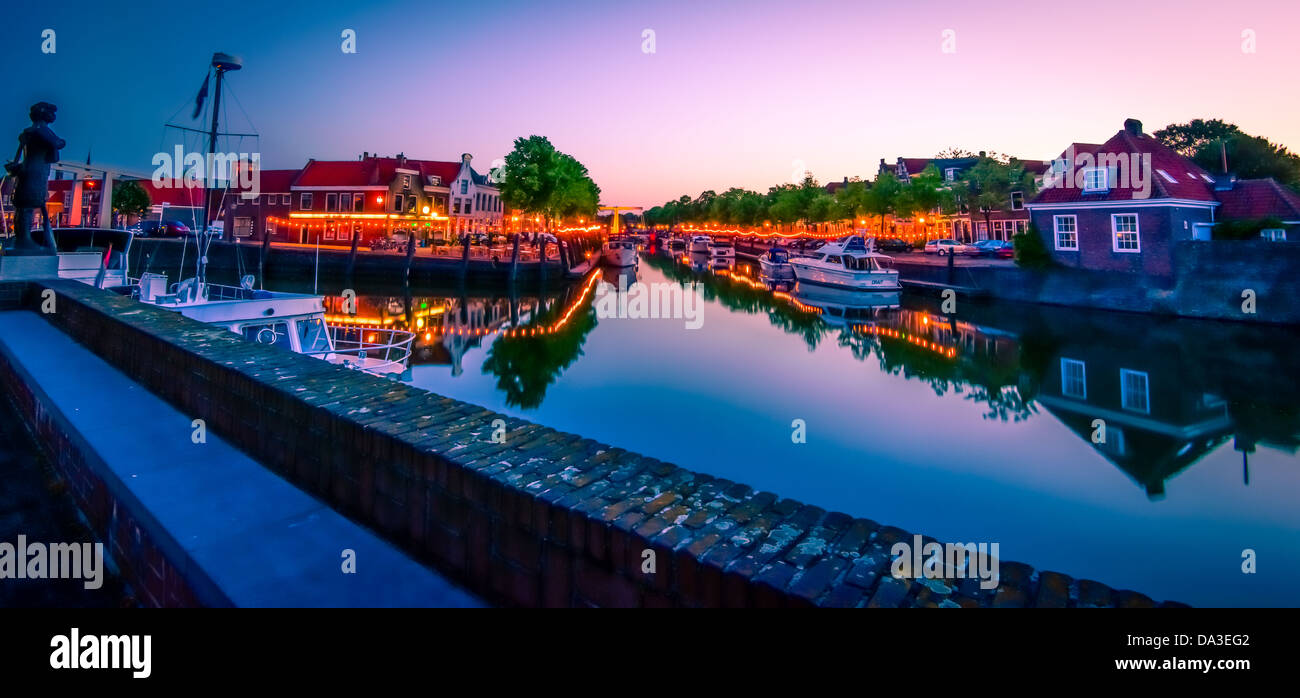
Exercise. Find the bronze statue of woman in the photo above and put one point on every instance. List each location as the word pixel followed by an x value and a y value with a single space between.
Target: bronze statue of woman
pixel 38 148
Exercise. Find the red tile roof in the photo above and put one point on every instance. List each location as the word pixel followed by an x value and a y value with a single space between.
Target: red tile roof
pixel 276 181
pixel 372 171
pixel 1186 179
pixel 1253 199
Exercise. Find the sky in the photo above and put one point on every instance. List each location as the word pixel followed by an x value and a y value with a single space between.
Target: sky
pixel 735 93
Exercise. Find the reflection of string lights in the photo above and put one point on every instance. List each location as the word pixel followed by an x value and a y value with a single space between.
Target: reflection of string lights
pixel 758 232
pixel 529 331
pixel 913 339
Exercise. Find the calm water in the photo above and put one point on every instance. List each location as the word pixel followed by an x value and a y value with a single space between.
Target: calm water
pixel 969 427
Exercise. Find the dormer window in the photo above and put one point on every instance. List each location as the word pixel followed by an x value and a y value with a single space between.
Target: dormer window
pixel 435 181
pixel 406 181
pixel 1017 201
pixel 464 187
pixel 950 174
pixel 1095 179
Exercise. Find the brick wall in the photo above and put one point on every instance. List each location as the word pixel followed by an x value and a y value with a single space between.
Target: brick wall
pixel 542 518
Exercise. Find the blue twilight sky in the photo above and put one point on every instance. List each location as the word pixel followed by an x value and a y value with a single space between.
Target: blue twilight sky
pixel 741 92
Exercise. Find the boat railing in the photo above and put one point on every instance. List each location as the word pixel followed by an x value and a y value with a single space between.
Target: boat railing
pixel 378 351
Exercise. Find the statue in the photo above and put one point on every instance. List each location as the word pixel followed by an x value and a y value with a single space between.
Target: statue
pixel 38 148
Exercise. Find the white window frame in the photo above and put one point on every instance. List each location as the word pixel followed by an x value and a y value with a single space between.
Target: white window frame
pixel 1082 378
pixel 1056 232
pixel 304 201
pixel 1125 394
pixel 1273 234
pixel 950 174
pixel 1104 179
pixel 1020 197
pixel 1137 233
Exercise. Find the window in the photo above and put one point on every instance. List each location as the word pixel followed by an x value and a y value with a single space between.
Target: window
pixel 464 187
pixel 345 202
pixel 411 202
pixel 276 333
pixel 406 181
pixel 243 226
pixel 256 200
pixel 304 202
pixel 284 199
pixel 329 233
pixel 981 231
pixel 834 259
pixel 456 205
pixel 359 203
pixel 950 174
pixel 1022 226
pixel 1067 232
pixel 1168 177
pixel 1134 390
pixel 1017 201
pixel 1095 179
pixel 997 230
pixel 469 206
pixel 435 180
pixel 1074 379
pixel 399 203
pixel 312 335
pixel 1273 234
pixel 1124 229
pixel 331 202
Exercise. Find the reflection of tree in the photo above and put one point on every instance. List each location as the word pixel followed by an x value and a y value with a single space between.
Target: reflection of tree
pixel 526 366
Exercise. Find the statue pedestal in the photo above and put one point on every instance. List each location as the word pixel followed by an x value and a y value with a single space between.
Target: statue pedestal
pixel 22 267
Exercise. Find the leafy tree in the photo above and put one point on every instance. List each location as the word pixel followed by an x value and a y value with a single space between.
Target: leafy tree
pixel 953 153
pixel 129 199
pixel 923 194
pixel 1189 138
pixel 1031 251
pixel 1252 157
pixel 540 179
pixel 987 186
pixel 882 198
pixel 852 199
pixel 1243 229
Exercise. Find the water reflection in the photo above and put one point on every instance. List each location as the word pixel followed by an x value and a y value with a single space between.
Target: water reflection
pixel 1167 393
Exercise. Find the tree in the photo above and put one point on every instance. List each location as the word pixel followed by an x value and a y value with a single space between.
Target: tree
pixel 1251 157
pixel 129 199
pixel 540 179
pixel 1031 251
pixel 923 193
pixel 1189 138
pixel 954 153
pixel 987 186
pixel 852 199
pixel 882 198
pixel 1207 141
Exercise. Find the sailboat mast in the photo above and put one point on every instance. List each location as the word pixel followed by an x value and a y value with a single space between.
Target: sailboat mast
pixel 222 63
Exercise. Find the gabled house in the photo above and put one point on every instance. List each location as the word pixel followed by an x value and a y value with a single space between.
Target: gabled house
pixel 1123 204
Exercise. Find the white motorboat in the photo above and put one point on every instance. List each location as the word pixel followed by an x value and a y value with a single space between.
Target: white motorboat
pixel 698 243
pixel 619 253
pixel 847 264
pixel 774 265
pixel 292 321
pixel 674 247
pixel 721 248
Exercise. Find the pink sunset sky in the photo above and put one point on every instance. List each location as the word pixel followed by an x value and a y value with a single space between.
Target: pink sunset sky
pixel 735 93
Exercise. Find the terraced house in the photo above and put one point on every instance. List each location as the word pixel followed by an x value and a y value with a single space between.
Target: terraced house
pixel 1123 204
pixel 964 225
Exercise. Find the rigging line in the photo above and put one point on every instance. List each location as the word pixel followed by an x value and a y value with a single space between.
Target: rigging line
pixel 242 111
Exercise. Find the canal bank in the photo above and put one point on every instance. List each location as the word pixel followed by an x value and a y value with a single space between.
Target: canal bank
pixel 273 264
pixel 1240 280
pixel 533 516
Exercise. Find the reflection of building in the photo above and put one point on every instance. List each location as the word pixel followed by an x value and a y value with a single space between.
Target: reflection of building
pixel 1155 425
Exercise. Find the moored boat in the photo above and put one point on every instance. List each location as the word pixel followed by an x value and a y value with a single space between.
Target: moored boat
pixel 847 264
pixel 698 243
pixel 619 253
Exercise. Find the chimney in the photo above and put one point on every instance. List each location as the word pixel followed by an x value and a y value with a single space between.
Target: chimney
pixel 466 157
pixel 1133 126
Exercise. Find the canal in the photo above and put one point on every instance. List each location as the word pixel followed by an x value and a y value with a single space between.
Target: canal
pixel 1146 453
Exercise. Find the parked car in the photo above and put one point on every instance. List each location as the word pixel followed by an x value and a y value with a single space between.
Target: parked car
pixel 992 248
pixel 163 229
pixel 893 245
pixel 946 246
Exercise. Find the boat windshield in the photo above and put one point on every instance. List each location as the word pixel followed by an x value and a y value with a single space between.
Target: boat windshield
pixel 779 256
pixel 862 263
pixel 312 335
pixel 276 333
